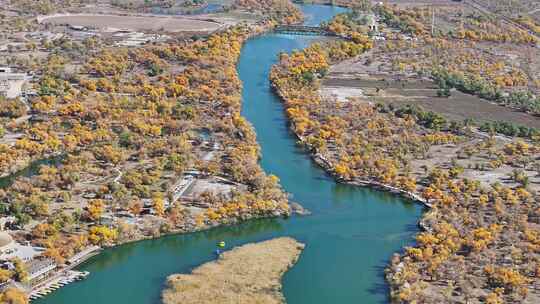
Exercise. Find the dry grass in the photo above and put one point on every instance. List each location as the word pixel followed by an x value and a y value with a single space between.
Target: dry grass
pixel 249 274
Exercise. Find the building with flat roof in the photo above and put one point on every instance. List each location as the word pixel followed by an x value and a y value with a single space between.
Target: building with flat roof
pixel 38 270
pixel 10 249
pixel 6 242
pixel 11 83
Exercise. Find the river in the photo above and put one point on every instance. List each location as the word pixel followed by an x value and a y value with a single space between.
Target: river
pixel 350 237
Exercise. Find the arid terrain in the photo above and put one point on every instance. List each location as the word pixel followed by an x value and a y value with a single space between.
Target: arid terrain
pixel 349 79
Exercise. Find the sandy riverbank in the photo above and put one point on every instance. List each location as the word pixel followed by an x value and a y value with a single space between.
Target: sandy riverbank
pixel 247 274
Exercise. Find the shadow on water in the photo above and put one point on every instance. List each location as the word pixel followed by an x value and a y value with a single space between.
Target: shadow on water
pixel 380 289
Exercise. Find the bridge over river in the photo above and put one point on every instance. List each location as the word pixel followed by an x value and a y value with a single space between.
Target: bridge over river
pixel 303 30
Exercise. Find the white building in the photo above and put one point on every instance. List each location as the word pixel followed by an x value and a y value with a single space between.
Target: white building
pixel 372 23
pixel 39 270
pixel 6 242
pixel 10 249
pixel 11 83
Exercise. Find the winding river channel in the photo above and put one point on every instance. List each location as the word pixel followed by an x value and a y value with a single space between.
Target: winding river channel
pixel 350 236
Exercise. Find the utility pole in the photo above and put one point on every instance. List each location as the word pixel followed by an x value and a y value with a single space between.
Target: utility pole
pixel 433 21
pixel 462 16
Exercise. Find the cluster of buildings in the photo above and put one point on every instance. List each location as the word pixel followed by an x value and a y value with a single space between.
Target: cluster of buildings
pixel 10 250
pixel 40 270
pixel 119 37
pixel 128 38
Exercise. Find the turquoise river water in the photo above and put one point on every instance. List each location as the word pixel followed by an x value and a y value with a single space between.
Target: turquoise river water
pixel 350 236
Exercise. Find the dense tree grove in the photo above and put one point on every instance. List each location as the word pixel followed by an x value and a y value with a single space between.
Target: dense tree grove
pixel 151 118
pixel 282 11
pixel 523 100
pixel 409 21
pixel 475 27
pixel 479 240
pixel 13 296
pixel 363 141
pixel 127 124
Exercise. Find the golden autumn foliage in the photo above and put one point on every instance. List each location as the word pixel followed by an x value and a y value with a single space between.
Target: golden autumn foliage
pixel 482 237
pixel 5 275
pixel 282 11
pixel 494 298
pixel 13 296
pixel 507 278
pixel 54 254
pixel 159 206
pixel 95 209
pixel 365 144
pixel 102 235
pixel 125 124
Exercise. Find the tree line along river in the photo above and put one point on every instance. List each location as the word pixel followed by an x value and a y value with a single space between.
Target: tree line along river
pixel 350 236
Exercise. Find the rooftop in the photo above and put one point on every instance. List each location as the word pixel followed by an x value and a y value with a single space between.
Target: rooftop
pixel 5 239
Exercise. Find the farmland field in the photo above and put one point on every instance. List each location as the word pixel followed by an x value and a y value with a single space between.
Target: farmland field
pixel 169 24
pixel 458 106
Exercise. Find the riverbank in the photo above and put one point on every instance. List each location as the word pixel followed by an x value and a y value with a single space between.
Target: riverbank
pixel 462 175
pixel 247 274
pixel 116 183
pixel 329 168
pixel 345 228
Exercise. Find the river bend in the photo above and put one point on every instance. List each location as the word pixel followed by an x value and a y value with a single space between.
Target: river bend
pixel 350 237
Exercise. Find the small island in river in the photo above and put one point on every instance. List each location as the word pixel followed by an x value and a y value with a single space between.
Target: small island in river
pixel 247 274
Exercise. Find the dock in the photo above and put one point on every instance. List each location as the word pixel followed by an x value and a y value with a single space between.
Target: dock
pixel 65 278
